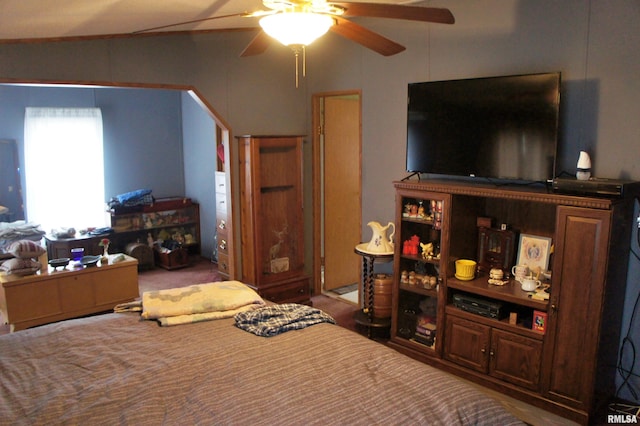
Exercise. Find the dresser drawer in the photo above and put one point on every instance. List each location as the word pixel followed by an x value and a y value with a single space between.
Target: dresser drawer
pixel 223 244
pixel 221 224
pixel 292 291
pixel 221 183
pixel 223 264
pixel 221 203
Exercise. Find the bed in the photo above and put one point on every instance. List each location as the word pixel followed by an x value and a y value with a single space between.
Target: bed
pixel 116 368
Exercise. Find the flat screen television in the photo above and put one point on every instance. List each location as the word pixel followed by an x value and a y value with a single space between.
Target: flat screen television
pixel 493 127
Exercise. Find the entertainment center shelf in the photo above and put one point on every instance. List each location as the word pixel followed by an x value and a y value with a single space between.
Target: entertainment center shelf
pixel 502 324
pixel 510 292
pixel 558 350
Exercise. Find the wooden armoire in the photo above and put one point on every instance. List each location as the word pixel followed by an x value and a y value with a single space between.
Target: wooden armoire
pixel 271 213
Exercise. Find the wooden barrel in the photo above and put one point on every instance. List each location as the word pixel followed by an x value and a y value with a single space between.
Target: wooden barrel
pixel 382 295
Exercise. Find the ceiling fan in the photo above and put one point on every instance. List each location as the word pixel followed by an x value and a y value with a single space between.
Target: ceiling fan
pixel 298 22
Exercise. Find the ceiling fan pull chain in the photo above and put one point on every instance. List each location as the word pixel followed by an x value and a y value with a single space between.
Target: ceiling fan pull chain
pixel 295 51
pixel 304 61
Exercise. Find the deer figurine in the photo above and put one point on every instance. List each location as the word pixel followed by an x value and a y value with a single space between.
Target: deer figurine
pixel 275 249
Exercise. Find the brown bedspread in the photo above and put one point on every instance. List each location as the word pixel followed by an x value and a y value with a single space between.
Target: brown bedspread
pixel 116 369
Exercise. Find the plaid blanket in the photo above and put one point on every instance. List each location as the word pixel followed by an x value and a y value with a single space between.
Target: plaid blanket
pixel 273 320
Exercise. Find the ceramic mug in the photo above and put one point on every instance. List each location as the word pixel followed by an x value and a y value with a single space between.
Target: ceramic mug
pixel 530 284
pixel 519 272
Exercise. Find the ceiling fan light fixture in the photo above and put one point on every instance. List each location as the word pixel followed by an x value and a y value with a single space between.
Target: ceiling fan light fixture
pixel 296 28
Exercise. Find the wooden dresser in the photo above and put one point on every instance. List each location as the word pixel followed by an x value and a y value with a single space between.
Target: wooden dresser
pixel 272 226
pixel 55 295
pixel 223 242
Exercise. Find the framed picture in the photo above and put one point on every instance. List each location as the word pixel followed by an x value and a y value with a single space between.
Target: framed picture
pixel 534 252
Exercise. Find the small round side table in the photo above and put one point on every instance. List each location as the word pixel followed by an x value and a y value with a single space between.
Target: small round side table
pixel 364 316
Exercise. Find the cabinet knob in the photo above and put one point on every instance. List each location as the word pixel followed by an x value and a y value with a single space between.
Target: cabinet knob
pixel 483 350
pixel 491 353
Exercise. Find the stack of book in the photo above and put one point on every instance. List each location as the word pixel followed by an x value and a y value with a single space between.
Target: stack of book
pixel 425 330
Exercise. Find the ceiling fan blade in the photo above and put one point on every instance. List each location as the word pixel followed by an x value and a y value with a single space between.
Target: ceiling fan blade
pixel 365 37
pixel 258 45
pixel 396 11
pixel 194 21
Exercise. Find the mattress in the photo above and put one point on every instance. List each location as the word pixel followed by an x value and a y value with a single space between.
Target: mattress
pixel 118 369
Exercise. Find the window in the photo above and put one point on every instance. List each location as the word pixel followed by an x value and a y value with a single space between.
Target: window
pixel 64 170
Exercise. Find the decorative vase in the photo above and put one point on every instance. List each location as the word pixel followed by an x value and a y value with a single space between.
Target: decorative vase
pixel 584 166
pixel 105 255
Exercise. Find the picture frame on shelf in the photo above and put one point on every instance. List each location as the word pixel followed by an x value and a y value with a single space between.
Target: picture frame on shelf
pixel 534 251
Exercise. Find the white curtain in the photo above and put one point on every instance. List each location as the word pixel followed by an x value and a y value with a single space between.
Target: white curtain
pixel 64 170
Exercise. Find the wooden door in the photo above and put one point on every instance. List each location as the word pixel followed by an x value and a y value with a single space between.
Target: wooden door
pixel 581 252
pixel 342 182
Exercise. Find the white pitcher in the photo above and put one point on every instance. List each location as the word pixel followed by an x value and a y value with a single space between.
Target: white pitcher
pixel 380 243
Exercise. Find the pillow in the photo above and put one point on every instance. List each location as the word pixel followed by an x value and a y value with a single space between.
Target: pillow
pixel 20 266
pixel 26 249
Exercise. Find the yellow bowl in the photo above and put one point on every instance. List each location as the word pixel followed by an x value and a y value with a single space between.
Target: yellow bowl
pixel 465 269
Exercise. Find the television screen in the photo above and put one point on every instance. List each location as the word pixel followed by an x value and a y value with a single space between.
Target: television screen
pixel 494 127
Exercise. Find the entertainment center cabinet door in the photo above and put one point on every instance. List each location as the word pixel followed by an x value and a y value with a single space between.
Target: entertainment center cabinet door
pixel 515 359
pixel 579 274
pixel 506 356
pixel 467 343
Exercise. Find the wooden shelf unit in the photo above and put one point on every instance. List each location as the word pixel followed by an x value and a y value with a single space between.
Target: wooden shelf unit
pixel 162 219
pixel 569 368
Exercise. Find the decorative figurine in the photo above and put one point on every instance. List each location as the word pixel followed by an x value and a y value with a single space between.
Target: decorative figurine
pixel 427 250
pixel 104 243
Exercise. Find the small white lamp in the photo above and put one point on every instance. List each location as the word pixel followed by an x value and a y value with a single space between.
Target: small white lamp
pixel 584 166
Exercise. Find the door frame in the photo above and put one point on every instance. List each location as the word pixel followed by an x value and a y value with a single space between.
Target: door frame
pixel 317 157
pixel 223 133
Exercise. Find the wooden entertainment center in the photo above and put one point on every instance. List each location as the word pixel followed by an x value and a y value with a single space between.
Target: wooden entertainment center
pixel 569 368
